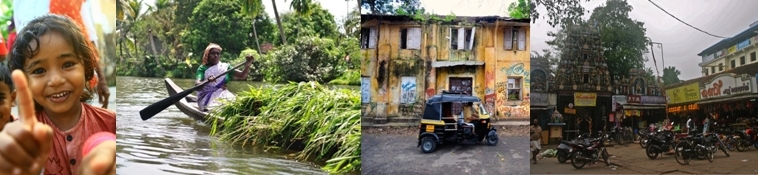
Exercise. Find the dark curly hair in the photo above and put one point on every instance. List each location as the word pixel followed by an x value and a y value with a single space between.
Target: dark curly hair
pixel 30 34
pixel 5 76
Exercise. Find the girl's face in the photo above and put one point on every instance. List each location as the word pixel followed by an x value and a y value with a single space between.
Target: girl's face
pixel 56 75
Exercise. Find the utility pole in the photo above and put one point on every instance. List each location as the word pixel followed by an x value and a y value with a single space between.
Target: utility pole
pixel 663 63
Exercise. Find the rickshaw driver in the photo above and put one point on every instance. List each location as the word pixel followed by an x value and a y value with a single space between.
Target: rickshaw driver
pixel 469 113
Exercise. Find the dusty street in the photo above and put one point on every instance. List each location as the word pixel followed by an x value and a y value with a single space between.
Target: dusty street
pixel 398 154
pixel 632 159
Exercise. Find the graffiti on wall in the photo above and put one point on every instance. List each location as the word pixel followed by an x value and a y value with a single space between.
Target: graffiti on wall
pixel 489 93
pixel 430 92
pixel 520 111
pixel 431 79
pixel 510 110
pixel 408 90
pixel 365 89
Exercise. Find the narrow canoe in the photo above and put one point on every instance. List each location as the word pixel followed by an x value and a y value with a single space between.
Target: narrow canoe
pixel 188 105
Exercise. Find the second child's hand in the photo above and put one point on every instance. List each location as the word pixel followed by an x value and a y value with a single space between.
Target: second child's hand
pixel 25 144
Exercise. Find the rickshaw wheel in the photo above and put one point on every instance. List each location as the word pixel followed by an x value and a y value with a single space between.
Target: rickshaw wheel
pixel 492 138
pixel 428 144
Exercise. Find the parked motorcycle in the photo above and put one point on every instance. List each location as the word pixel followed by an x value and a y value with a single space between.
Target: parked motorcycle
pixel 744 139
pixel 567 149
pixel 591 152
pixel 643 136
pixel 619 134
pixel 660 143
pixel 693 146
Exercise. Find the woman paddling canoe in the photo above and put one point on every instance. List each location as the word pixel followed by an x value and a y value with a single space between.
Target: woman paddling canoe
pixel 208 96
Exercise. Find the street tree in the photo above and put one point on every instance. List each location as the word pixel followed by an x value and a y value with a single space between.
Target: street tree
pixel 670 76
pixel 623 38
pixel 560 13
pixel 519 9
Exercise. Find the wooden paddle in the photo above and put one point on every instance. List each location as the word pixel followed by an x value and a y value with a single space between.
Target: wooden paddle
pixel 159 106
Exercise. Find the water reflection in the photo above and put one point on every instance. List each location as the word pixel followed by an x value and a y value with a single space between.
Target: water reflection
pixel 172 143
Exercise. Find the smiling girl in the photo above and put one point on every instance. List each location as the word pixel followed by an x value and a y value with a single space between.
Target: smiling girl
pixel 53 54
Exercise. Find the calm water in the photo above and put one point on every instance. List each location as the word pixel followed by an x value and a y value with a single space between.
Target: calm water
pixel 173 143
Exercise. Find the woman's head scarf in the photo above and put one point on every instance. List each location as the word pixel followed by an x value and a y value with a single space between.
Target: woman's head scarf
pixel 208 51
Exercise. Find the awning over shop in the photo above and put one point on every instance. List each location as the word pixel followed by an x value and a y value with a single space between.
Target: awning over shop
pixel 456 63
pixel 648 106
pixel 733 98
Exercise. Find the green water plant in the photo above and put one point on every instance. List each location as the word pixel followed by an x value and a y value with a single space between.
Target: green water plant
pixel 322 123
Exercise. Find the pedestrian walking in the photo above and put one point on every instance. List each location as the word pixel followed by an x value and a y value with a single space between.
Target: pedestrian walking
pixel 534 139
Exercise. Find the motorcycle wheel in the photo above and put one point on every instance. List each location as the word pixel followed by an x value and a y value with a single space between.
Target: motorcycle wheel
pixel 652 154
pixel 739 146
pixel 562 156
pixel 606 157
pixel 680 155
pixel 701 152
pixel 730 144
pixel 709 154
pixel 577 160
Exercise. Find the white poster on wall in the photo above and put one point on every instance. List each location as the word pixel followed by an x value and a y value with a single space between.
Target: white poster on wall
pixel 408 90
pixel 365 90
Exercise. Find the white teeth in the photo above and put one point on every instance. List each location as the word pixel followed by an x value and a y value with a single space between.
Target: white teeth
pixel 58 95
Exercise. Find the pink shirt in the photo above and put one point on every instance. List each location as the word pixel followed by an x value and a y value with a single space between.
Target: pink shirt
pixel 66 153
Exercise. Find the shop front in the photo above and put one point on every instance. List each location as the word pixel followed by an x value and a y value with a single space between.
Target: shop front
pixel 637 111
pixel 682 103
pixel 730 99
pixel 584 112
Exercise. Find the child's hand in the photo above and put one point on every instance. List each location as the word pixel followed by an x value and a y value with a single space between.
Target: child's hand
pixel 24 145
pixel 100 161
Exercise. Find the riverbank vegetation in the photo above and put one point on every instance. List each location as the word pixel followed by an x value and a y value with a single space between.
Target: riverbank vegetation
pixel 157 40
pixel 322 123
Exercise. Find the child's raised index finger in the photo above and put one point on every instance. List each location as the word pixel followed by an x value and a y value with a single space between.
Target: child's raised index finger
pixel 24 97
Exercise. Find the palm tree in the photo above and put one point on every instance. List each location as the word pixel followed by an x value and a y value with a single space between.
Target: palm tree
pixel 279 22
pixel 128 12
pixel 160 6
pixel 253 8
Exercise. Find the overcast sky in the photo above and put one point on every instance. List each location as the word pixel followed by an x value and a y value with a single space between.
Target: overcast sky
pixel 681 43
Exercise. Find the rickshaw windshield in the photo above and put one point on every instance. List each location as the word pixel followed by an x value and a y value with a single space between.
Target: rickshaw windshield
pixel 482 109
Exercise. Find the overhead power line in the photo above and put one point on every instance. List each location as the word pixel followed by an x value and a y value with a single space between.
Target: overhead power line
pixel 659 7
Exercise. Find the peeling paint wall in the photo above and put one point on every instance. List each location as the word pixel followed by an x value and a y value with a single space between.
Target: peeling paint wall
pixel 387 65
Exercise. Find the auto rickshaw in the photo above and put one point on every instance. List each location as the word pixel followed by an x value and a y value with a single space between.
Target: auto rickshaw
pixel 439 125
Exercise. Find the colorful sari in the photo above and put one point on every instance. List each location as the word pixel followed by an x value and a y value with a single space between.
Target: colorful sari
pixel 211 93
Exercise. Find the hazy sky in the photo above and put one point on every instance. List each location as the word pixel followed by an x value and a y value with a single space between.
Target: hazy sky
pixel 681 43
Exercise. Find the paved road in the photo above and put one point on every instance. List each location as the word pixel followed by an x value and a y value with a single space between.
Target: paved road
pixel 398 154
pixel 632 159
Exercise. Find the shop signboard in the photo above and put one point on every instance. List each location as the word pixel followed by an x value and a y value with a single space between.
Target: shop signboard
pixel 633 99
pixel 683 94
pixel 743 44
pixel 652 100
pixel 617 101
pixel 539 99
pixel 726 85
pixel 585 99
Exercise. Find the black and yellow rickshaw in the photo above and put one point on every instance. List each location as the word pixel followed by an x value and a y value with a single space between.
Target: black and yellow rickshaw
pixel 439 125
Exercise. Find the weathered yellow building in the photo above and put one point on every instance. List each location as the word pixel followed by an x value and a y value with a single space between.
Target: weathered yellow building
pixel 405 61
